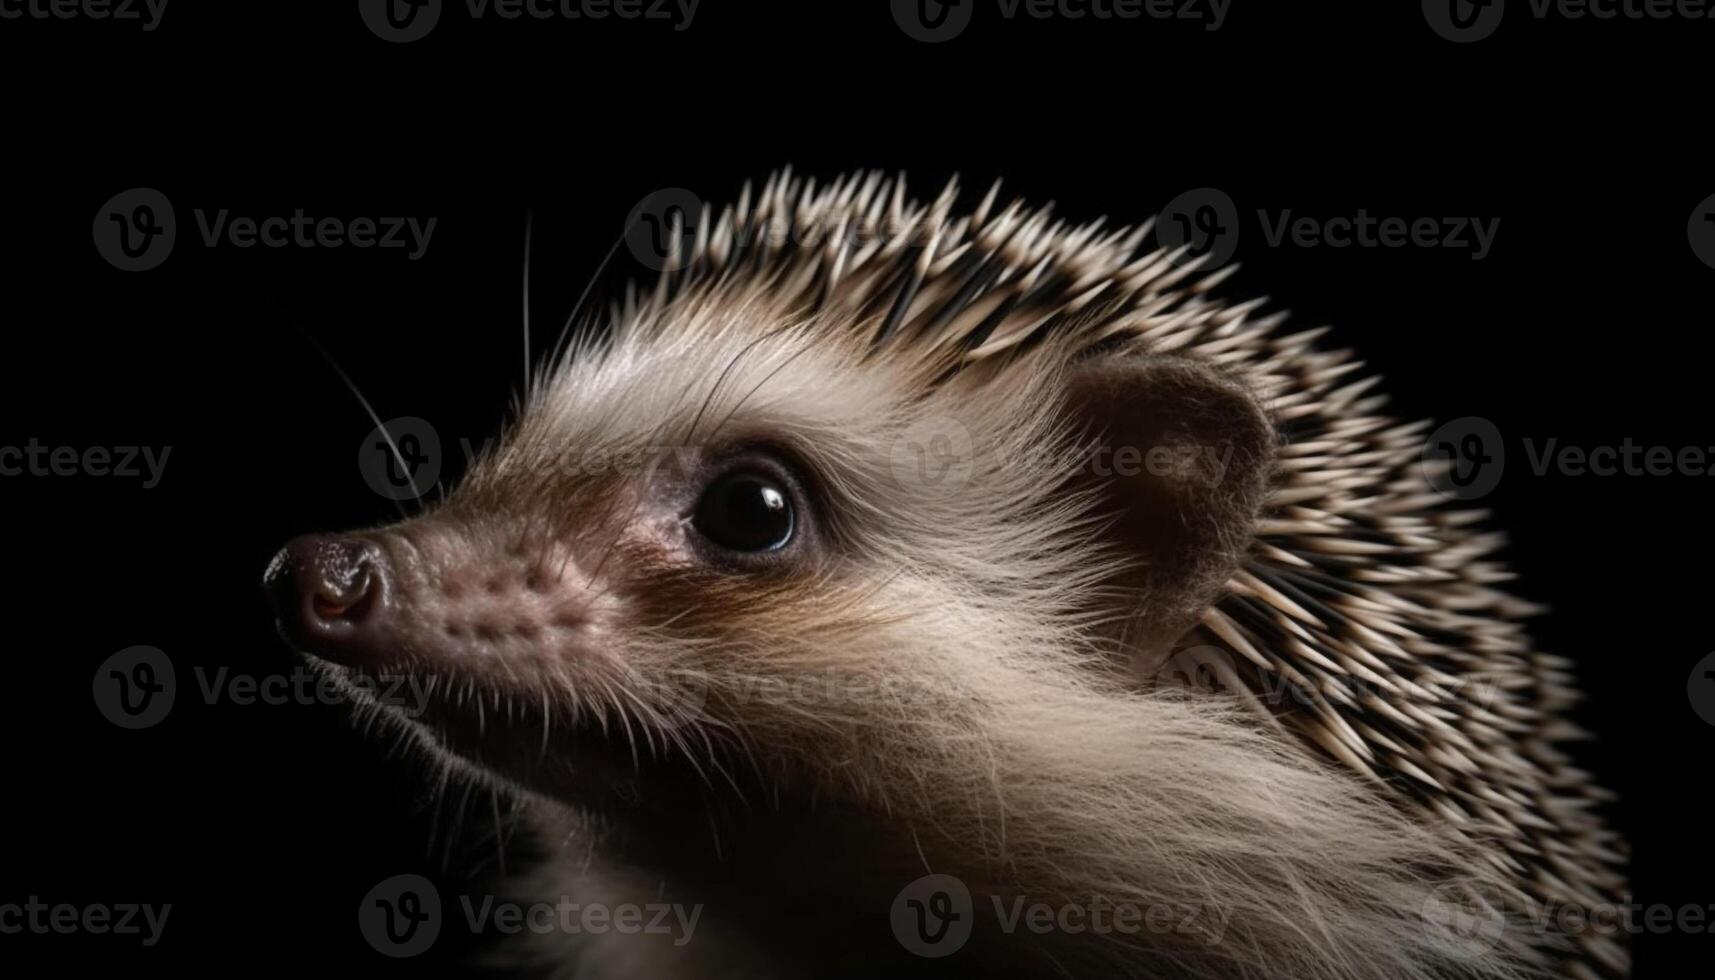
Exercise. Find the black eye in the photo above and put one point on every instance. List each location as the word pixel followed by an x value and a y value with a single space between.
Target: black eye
pixel 745 511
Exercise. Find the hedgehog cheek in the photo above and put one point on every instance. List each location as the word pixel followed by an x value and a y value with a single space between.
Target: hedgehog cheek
pixel 1180 460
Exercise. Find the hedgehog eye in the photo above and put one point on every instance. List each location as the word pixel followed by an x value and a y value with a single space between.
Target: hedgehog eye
pixel 746 511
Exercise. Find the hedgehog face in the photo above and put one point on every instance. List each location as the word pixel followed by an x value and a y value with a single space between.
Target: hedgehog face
pixel 712 536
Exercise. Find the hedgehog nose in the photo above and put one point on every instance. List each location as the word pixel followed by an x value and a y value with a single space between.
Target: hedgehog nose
pixel 329 593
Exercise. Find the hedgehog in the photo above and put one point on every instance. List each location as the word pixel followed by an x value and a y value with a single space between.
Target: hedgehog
pixel 884 565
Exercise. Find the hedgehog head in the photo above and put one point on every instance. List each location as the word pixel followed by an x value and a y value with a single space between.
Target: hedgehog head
pixel 733 508
pixel 892 512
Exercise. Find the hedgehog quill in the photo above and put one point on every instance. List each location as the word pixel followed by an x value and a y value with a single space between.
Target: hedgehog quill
pixel 956 504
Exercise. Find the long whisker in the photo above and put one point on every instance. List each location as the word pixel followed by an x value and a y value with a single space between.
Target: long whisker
pixel 529 220
pixel 351 386
pixel 747 395
pixel 731 364
pixel 571 318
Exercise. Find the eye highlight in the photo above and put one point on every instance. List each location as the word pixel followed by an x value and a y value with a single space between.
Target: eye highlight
pixel 746 511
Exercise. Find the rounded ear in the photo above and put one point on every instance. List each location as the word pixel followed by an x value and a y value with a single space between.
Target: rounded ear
pixel 1182 459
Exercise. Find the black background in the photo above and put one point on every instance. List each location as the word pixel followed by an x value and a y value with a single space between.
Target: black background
pixel 265 825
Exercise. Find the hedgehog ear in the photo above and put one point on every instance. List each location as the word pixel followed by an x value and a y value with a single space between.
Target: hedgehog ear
pixel 1181 460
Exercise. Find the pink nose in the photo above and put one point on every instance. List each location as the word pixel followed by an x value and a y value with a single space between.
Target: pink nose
pixel 330 596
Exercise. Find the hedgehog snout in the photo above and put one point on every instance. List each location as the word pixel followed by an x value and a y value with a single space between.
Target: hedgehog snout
pixel 367 601
pixel 520 603
pixel 331 595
